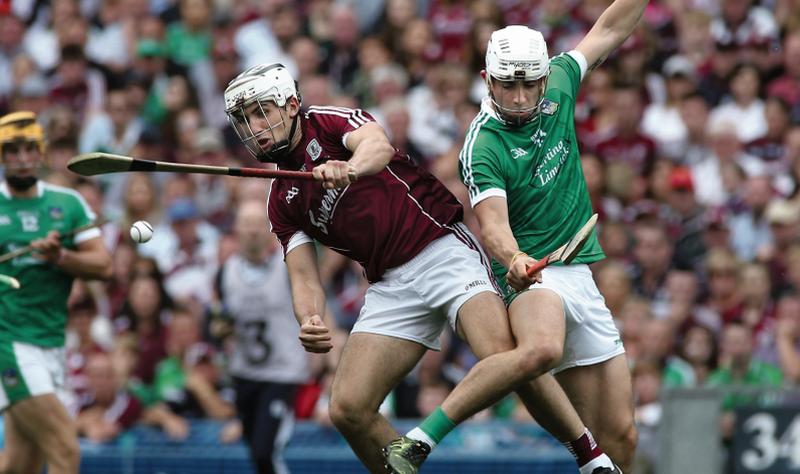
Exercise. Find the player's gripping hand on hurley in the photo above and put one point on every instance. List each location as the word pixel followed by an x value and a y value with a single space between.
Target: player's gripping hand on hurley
pixel 49 248
pixel 517 276
pixel 335 174
pixel 314 335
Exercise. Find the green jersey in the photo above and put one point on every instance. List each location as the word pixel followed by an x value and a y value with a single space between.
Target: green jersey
pixel 536 167
pixel 37 312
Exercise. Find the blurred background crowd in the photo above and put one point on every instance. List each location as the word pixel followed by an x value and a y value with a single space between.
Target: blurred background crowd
pixel 690 139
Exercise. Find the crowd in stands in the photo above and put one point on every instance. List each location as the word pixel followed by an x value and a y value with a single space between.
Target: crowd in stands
pixel 690 139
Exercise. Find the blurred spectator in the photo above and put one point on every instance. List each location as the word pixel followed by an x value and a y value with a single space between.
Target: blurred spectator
pixel 787 86
pixel 652 253
pixel 788 337
pixel 714 84
pixel 647 385
pixel 340 61
pixel 738 367
pixel 662 121
pixel 210 191
pixel 142 315
pixel 743 22
pixel 770 148
pixel 188 381
pixel 267 364
pixel 688 219
pixel 76 85
pixel 784 224
pixel 432 109
pixel 256 42
pixel 631 320
pixel 188 40
pixel 80 344
pixel 107 43
pixel 107 408
pixel 699 349
pixel 186 252
pixel 750 233
pixel 626 144
pixel 210 77
pixel 11 33
pixel 694 115
pixel 722 272
pixel 745 110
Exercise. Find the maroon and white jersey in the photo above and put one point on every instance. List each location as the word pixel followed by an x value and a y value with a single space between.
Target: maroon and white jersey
pixel 381 221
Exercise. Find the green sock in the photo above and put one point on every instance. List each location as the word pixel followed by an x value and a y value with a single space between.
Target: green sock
pixel 437 425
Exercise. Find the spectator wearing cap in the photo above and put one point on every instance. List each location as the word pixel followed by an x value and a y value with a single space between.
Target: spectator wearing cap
pixel 185 249
pixel 687 219
pixel 662 120
pixel 626 144
pixel 787 86
pixel 750 232
pixel 745 110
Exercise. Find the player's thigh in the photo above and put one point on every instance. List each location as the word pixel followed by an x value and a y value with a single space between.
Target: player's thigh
pixel 483 324
pixel 537 319
pixel 602 395
pixel 370 367
pixel 20 453
pixel 44 419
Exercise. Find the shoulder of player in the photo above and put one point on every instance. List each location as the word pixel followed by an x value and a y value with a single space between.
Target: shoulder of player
pixel 356 117
pixel 54 191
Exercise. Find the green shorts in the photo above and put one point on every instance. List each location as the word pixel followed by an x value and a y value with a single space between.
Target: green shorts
pixel 27 371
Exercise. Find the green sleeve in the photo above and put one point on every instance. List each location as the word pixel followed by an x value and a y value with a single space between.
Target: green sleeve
pixel 565 75
pixel 80 214
pixel 481 170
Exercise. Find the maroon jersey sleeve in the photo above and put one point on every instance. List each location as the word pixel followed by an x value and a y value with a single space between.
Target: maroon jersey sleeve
pixel 281 224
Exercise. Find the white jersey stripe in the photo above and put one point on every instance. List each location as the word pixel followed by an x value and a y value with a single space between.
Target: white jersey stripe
pixel 466 153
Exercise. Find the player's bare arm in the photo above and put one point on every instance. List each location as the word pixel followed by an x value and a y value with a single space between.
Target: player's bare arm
pixel 371 153
pixel 498 238
pixel 613 27
pixel 90 260
pixel 308 298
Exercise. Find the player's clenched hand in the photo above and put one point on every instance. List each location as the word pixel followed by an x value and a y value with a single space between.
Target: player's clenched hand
pixel 314 335
pixel 517 276
pixel 335 174
pixel 48 248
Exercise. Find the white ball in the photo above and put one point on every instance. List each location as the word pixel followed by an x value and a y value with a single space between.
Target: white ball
pixel 141 232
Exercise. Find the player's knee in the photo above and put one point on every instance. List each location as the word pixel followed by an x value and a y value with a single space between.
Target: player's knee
pixel 622 446
pixel 534 361
pixel 346 415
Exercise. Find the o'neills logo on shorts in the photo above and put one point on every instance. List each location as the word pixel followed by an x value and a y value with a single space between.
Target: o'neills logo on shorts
pixel 475 283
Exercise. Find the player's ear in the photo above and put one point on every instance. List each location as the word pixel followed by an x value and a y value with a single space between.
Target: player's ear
pixel 293 107
pixel 483 74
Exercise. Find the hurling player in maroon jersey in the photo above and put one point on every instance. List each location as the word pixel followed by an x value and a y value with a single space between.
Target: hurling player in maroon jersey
pixel 371 204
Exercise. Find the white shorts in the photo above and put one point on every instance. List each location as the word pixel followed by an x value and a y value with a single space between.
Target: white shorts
pixel 415 300
pixel 591 335
pixel 27 371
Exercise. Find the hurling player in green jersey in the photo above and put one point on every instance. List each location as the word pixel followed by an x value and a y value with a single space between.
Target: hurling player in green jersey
pixel 521 164
pixel 38 428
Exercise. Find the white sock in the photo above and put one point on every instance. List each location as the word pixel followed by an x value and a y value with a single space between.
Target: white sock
pixel 600 461
pixel 420 435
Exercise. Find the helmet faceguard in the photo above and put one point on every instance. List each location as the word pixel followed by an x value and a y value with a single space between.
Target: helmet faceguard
pixel 246 103
pixel 517 53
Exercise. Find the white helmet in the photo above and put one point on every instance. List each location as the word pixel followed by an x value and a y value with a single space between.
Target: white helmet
pixel 517 52
pixel 257 84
